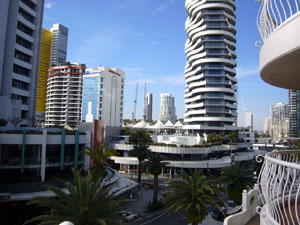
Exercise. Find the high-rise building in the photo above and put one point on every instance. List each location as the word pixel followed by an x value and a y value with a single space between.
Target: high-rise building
pixel 279 113
pixel 149 103
pixel 59 44
pixel 44 65
pixel 64 95
pixel 248 122
pixel 20 33
pixel 103 95
pixel 294 102
pixel 267 126
pixel 167 107
pixel 210 93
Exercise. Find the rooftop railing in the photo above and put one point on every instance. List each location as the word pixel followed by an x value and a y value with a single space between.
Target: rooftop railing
pixel 279 182
pixel 274 13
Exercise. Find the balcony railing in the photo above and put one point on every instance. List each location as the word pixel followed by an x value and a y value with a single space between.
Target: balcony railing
pixel 273 13
pixel 280 185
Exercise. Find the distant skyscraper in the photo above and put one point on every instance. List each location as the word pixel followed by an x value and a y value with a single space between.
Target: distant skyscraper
pixel 210 93
pixel 59 44
pixel 248 120
pixel 279 112
pixel 64 95
pixel 167 107
pixel 103 95
pixel 46 39
pixel 20 33
pixel 267 126
pixel 149 103
pixel 294 102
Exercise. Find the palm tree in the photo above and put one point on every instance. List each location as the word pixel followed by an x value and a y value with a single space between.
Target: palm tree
pixel 233 137
pixel 155 165
pixel 236 178
pixel 141 140
pixel 84 203
pixel 194 193
pixel 99 156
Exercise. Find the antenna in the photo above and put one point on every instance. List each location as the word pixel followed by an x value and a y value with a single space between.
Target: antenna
pixel 145 102
pixel 135 101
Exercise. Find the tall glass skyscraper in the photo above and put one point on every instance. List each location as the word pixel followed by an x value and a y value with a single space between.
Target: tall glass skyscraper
pixel 210 94
pixel 294 102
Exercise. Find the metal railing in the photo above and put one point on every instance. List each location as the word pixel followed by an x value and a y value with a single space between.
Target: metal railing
pixel 279 182
pixel 273 13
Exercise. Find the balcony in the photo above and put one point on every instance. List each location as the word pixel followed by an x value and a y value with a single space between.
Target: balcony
pixel 278 23
pixel 279 187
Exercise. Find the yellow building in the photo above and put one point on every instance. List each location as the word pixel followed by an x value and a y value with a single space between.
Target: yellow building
pixel 45 51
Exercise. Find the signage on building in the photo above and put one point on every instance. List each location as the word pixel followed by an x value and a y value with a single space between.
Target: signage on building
pixel 114 72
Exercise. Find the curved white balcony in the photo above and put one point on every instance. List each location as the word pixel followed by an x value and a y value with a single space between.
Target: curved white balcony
pixel 278 23
pixel 279 182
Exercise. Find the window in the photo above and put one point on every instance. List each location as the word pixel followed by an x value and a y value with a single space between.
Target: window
pixel 21 56
pixel 25 29
pixel 23 114
pixel 102 79
pixel 100 112
pixel 21 70
pixel 100 105
pixel 19 97
pixel 100 99
pixel 26 15
pixel 101 92
pixel 23 42
pixel 20 85
pixel 29 4
pixel 101 86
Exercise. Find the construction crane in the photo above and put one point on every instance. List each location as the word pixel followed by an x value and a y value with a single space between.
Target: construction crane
pixel 135 101
pixel 145 102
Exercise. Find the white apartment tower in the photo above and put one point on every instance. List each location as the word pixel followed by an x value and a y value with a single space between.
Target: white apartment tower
pixel 210 93
pixel 103 95
pixel 64 95
pixel 20 33
pixel 267 126
pixel 248 121
pixel 149 103
pixel 280 114
pixel 167 107
pixel 59 44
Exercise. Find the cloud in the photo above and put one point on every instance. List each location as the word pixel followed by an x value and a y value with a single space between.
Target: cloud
pixel 138 34
pixel 247 71
pixel 162 7
pixel 49 5
pixel 174 80
pixel 154 43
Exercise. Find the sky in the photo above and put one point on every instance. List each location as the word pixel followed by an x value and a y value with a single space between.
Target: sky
pixel 145 38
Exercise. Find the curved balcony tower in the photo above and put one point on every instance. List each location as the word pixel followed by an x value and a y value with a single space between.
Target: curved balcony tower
pixel 210 93
pixel 278 23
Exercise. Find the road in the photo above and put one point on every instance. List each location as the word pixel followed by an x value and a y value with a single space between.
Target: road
pixel 162 217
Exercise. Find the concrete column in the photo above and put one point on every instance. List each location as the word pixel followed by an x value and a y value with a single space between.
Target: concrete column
pixel 43 158
pixel 88 143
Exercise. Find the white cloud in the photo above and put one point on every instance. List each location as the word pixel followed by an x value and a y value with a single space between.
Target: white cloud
pixel 247 71
pixel 163 7
pixel 49 5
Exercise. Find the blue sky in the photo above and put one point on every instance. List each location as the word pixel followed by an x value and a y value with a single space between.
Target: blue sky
pixel 146 38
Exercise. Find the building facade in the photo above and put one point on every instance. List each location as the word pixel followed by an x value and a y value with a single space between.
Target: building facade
pixel 103 95
pixel 149 106
pixel 59 44
pixel 167 107
pixel 294 102
pixel 248 120
pixel 279 113
pixel 267 126
pixel 20 33
pixel 45 51
pixel 210 93
pixel 64 95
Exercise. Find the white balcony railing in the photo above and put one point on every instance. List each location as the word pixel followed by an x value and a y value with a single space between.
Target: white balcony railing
pixel 273 13
pixel 279 187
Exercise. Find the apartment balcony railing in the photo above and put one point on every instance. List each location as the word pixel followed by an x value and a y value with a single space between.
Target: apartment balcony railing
pixel 280 186
pixel 274 13
pixel 278 22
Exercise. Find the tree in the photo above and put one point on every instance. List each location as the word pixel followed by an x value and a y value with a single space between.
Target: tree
pixel 99 156
pixel 194 193
pixel 141 140
pixel 85 203
pixel 213 138
pixel 155 165
pixel 233 137
pixel 236 178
